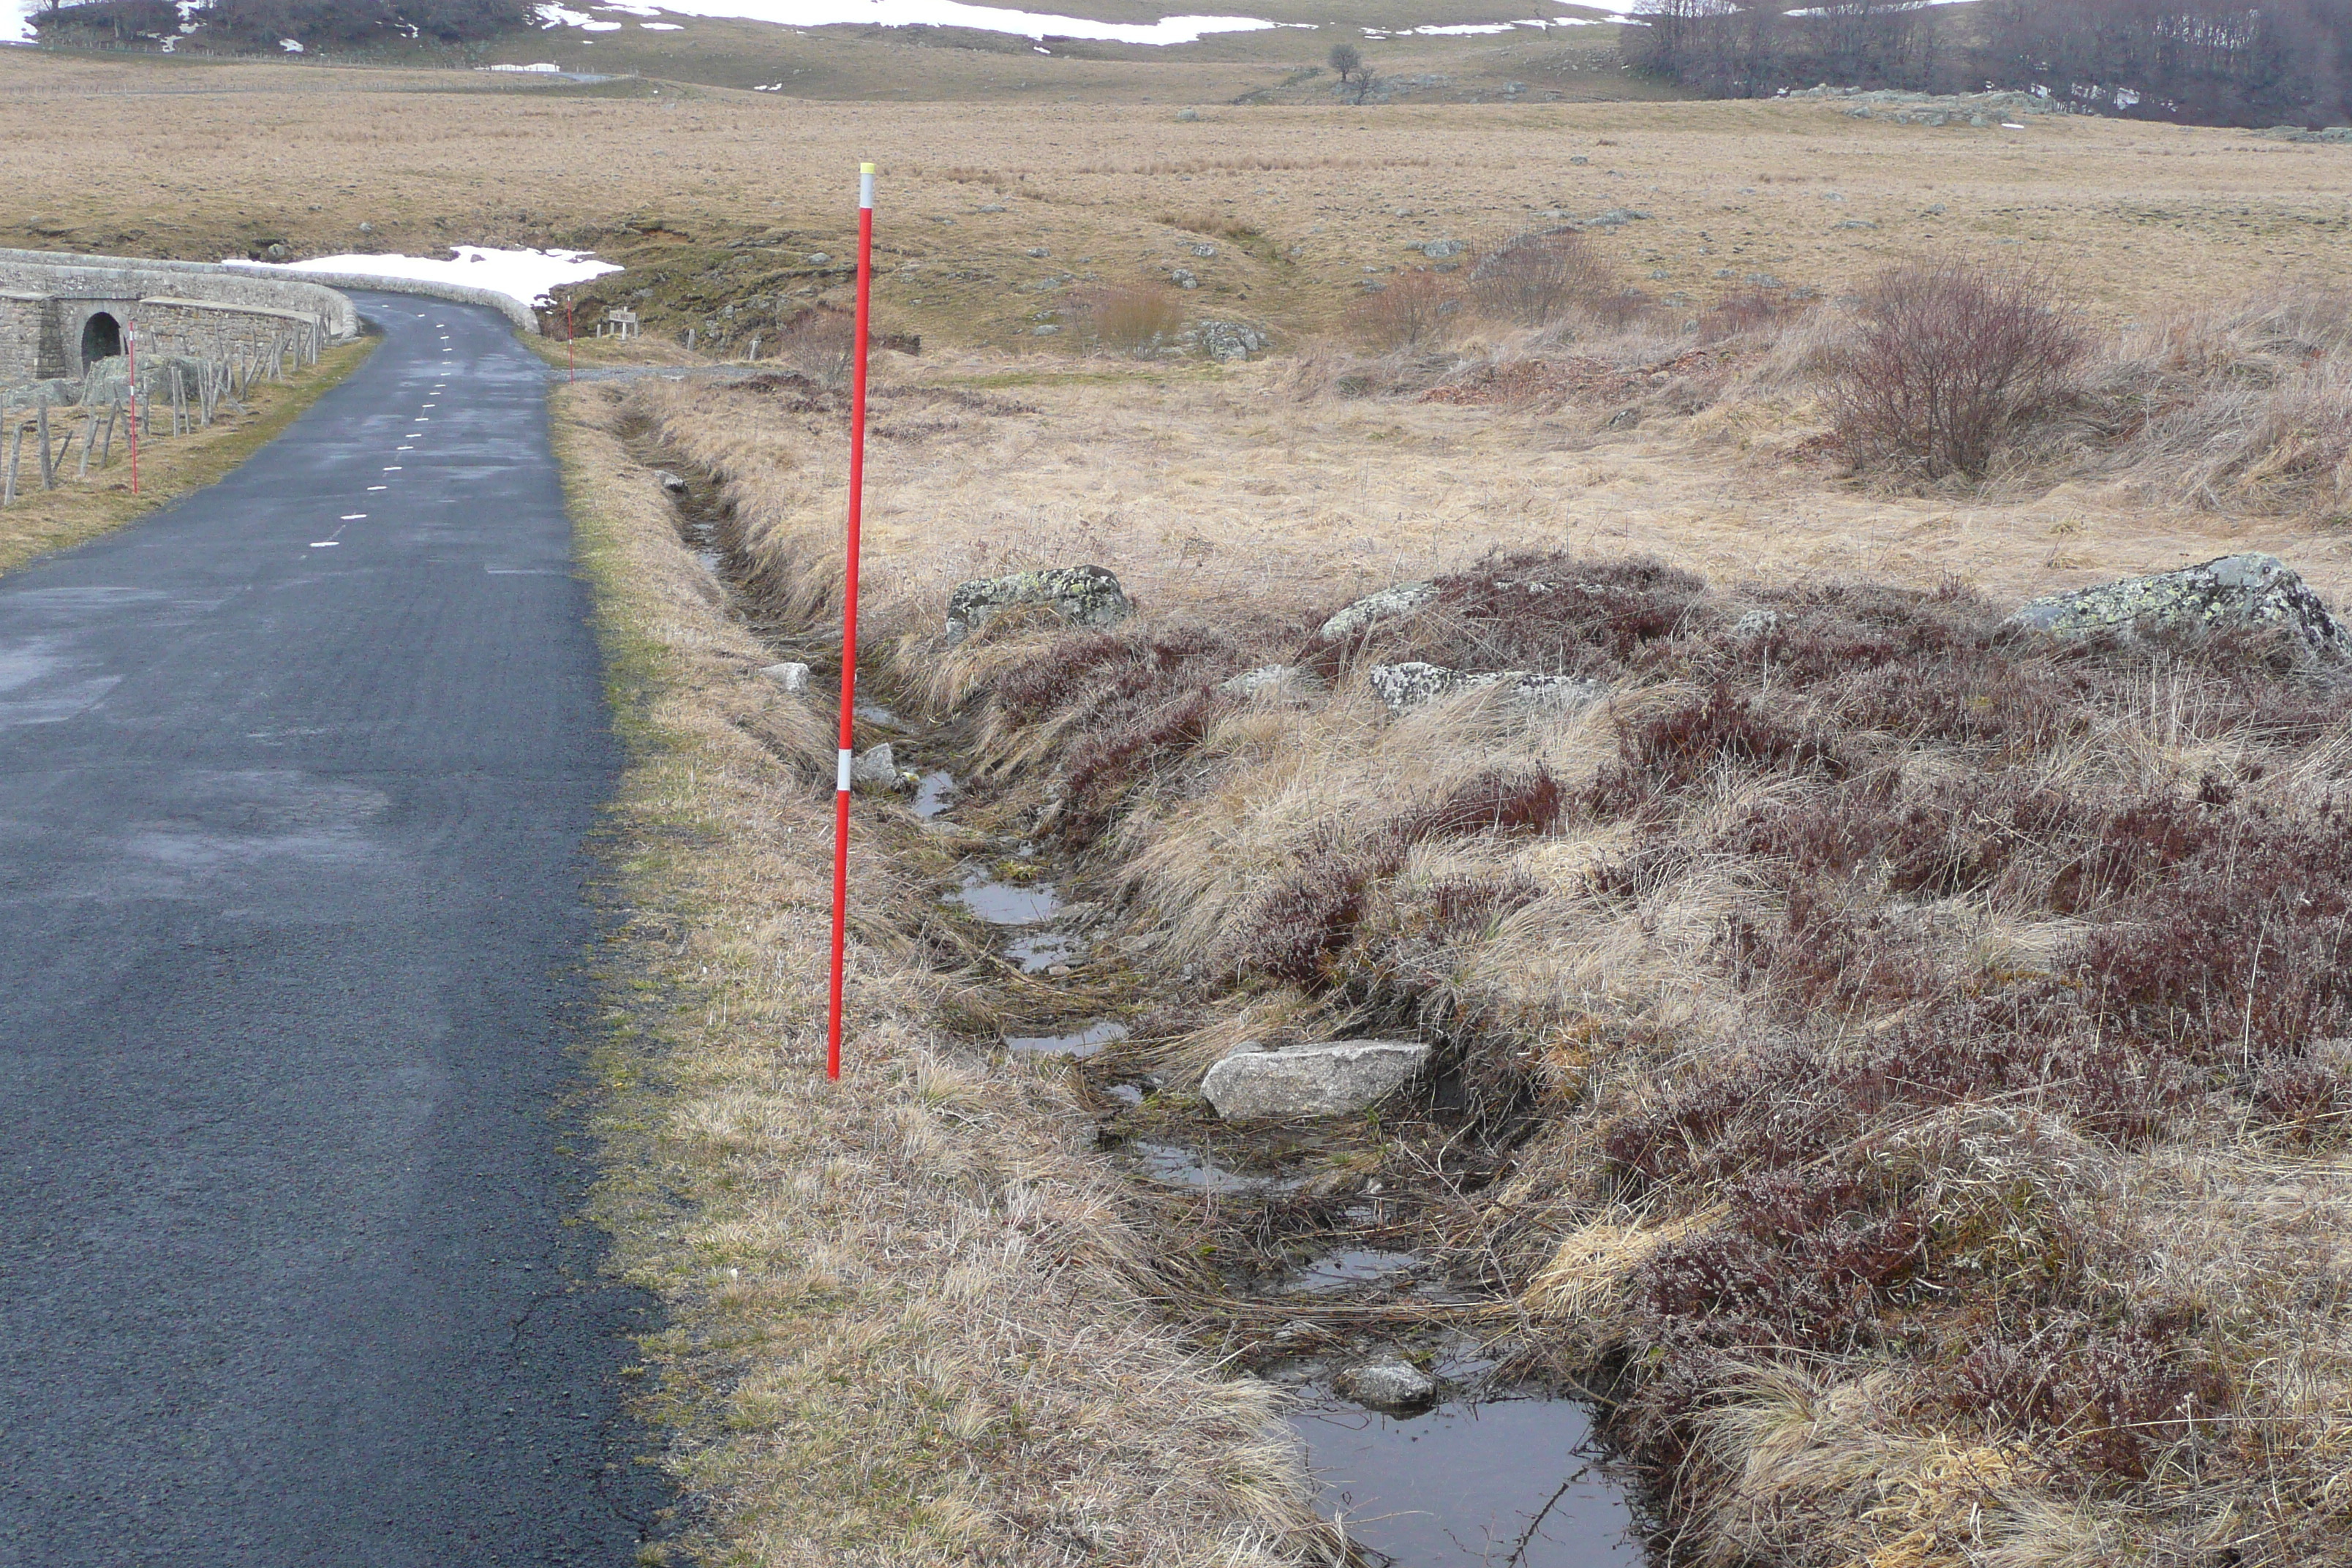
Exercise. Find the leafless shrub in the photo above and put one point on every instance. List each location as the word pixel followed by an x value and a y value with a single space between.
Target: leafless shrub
pixel 820 344
pixel 1536 279
pixel 1417 308
pixel 1135 318
pixel 1946 360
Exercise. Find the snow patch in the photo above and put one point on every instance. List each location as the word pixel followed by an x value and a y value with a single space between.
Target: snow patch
pixel 933 13
pixel 560 17
pixel 524 274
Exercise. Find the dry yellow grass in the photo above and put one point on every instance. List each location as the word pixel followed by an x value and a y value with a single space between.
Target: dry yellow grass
pixel 201 160
pixel 905 1313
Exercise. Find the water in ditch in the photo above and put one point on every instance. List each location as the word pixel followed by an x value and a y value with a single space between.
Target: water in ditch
pixel 1505 1482
pixel 1511 1481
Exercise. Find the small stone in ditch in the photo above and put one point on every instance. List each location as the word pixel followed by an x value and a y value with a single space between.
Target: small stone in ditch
pixel 792 676
pixel 1393 1386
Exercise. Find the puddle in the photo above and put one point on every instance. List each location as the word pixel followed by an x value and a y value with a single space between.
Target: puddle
pixel 1173 1167
pixel 934 793
pixel 709 559
pixel 1128 1094
pixel 1044 950
pixel 1512 1481
pixel 874 714
pixel 1005 904
pixel 1346 1270
pixel 1082 1045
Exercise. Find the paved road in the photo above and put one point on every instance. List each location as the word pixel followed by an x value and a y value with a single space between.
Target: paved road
pixel 293 783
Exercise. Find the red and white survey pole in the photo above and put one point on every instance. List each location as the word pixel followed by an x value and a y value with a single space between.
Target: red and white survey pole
pixel 849 617
pixel 131 347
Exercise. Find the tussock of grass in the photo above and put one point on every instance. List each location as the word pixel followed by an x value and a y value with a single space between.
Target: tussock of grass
pixel 904 1316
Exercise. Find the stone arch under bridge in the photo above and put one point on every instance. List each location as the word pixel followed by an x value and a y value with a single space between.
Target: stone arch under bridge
pixel 60 314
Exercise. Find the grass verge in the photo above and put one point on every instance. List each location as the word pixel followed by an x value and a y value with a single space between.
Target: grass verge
pixel 906 1314
pixel 169 466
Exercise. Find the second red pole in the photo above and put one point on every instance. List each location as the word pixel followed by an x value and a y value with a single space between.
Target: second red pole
pixel 847 756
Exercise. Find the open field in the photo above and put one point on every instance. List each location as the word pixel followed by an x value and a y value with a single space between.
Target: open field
pixel 2049 1273
pixel 716 199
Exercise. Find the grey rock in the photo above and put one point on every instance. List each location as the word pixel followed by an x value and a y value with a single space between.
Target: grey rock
pixel 1579 158
pixel 1204 250
pixel 1227 342
pixel 1284 683
pixel 990 208
pixel 1084 595
pixel 1047 330
pixel 669 481
pixel 1857 223
pixel 876 769
pixel 791 677
pixel 1756 623
pixel 1336 1078
pixel 2236 592
pixel 1038 250
pixel 1438 249
pixel 1386 604
pixel 1183 277
pixel 819 258
pixel 1404 685
pixel 1393 1386
pixel 1187 116
pixel 1616 216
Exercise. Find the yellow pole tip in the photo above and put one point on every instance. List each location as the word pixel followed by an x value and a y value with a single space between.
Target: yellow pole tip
pixel 865 168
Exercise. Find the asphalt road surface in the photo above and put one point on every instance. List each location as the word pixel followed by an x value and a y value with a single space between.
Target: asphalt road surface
pixel 294 781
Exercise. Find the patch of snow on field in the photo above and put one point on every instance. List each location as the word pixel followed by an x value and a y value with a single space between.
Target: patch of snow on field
pixel 558 16
pixel 946 14
pixel 524 274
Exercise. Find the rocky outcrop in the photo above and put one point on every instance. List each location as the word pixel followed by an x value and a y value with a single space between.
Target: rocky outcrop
pixel 1405 686
pixel 1387 605
pixel 1336 1078
pixel 2237 592
pixel 1081 596
pixel 1394 1387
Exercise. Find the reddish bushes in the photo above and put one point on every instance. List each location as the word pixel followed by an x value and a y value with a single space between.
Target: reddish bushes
pixel 1946 360
pixel 1724 730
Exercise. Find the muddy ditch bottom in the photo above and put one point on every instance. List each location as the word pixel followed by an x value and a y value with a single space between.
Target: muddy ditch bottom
pixel 1486 1477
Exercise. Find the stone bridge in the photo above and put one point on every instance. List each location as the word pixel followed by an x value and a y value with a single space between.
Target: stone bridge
pixel 60 313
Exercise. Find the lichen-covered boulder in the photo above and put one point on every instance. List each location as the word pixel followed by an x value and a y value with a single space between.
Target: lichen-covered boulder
pixel 1083 595
pixel 1336 1078
pixel 2236 592
pixel 1403 686
pixel 1385 605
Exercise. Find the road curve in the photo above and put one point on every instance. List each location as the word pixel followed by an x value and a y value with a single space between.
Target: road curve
pixel 294 781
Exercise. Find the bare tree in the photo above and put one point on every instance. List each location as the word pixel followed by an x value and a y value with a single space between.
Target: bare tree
pixel 1347 59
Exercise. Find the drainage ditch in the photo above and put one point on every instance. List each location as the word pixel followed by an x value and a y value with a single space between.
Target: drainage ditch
pixel 1305 1258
